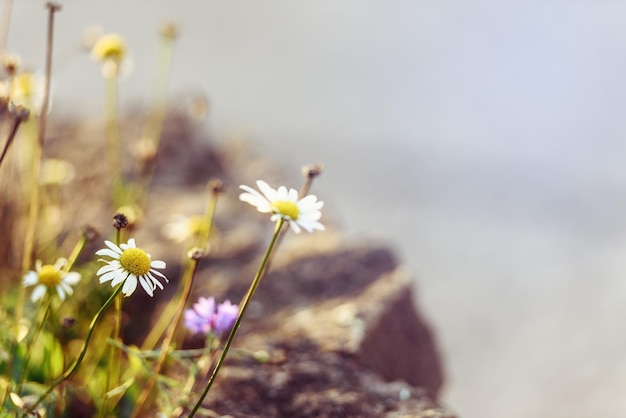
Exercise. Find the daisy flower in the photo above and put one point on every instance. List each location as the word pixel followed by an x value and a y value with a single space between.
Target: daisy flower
pixel 130 265
pixel 204 318
pixel 48 276
pixel 282 203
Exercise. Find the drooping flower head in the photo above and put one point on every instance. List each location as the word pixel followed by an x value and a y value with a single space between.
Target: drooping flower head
pixel 47 276
pixel 204 318
pixel 130 265
pixel 282 203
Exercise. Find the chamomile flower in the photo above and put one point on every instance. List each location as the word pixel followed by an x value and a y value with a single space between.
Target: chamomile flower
pixel 130 265
pixel 47 276
pixel 282 203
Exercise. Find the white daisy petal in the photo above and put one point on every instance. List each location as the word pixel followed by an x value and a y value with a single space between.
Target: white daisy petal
pixel 31 278
pixel 154 280
pixel 113 246
pixel 120 277
pixel 129 285
pixel 111 266
pixel 108 253
pixel 72 278
pixel 157 264
pixel 60 292
pixel 161 275
pixel 146 286
pixel 38 293
pixel 109 276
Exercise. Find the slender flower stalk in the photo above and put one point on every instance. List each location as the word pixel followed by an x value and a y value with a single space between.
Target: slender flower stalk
pixel 160 327
pixel 31 232
pixel 20 114
pixel 151 137
pixel 69 372
pixel 243 307
pixel 44 311
pixel 195 255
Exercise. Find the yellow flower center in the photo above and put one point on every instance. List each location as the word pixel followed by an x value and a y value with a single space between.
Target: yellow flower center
pixel 49 275
pixel 285 208
pixel 109 47
pixel 135 261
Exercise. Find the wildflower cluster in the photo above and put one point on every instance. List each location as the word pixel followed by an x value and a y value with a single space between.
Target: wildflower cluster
pixel 64 338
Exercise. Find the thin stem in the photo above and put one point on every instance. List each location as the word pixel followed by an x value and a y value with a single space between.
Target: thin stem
pixel 114 148
pixel 160 327
pixel 165 346
pixel 154 124
pixel 42 321
pixel 16 124
pixel 29 242
pixel 242 310
pixel 69 372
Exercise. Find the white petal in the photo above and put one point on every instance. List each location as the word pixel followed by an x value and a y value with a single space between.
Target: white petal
pixel 293 195
pixel 110 266
pixel 131 243
pixel 38 265
pixel 120 277
pixel 31 278
pixel 157 264
pixel 60 263
pixel 60 292
pixel 265 188
pixel 155 281
pixel 110 275
pixel 295 227
pixel 281 194
pixel 71 278
pixel 146 286
pixel 108 253
pixel 161 275
pixel 256 200
pixel 38 293
pixel 129 286
pixel 66 287
pixel 113 247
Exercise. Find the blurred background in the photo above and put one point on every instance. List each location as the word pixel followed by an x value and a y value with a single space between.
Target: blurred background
pixel 484 140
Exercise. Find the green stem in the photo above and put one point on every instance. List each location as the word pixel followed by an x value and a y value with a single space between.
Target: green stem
pixel 242 310
pixel 165 345
pixel 69 372
pixel 45 311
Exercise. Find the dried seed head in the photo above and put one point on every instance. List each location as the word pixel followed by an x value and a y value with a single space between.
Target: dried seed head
pixel 216 186
pixel 195 254
pixel 19 112
pixel 11 63
pixel 169 29
pixel 120 221
pixel 90 233
pixel 313 170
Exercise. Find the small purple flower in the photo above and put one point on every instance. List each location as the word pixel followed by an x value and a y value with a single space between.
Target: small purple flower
pixel 204 318
pixel 225 317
